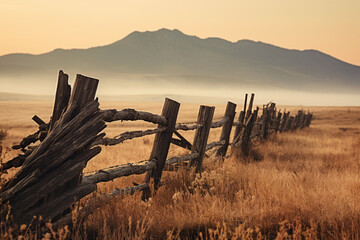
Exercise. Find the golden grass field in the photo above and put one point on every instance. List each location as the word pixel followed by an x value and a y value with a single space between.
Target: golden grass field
pixel 304 184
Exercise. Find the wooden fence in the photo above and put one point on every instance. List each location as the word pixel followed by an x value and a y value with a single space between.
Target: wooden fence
pixel 51 176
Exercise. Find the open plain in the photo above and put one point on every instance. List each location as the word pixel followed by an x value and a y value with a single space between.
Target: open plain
pixel 303 184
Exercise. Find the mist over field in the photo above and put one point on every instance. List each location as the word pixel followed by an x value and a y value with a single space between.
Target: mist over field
pixel 146 66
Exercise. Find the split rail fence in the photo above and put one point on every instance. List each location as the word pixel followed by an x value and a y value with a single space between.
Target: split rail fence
pixel 51 177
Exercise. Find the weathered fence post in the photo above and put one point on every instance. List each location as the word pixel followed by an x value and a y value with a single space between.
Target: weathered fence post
pixel 278 120
pixel 240 122
pixel 61 98
pixel 161 144
pixel 308 119
pixel 302 120
pixel 294 123
pixel 226 129
pixel 204 119
pixel 297 120
pixel 264 119
pixel 245 141
pixel 248 113
pixel 84 91
pixel 289 123
pixel 48 182
pixel 267 114
pixel 284 121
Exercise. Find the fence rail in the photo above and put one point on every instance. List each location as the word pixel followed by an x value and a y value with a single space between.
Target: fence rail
pixel 51 174
pixel 128 136
pixel 129 114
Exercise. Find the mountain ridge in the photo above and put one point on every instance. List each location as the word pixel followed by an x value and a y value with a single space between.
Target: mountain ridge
pixel 172 57
pixel 178 31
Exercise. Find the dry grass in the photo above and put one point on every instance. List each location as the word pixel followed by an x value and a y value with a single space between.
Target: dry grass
pixel 306 186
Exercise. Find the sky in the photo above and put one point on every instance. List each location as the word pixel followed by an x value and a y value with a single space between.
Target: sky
pixel 38 26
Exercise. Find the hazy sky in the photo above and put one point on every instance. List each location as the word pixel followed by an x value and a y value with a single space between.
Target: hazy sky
pixel 37 26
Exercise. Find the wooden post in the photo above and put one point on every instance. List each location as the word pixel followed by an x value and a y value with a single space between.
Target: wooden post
pixel 289 124
pixel 278 120
pixel 284 121
pixel 267 114
pixel 226 129
pixel 239 126
pixel 308 119
pixel 161 144
pixel 264 124
pixel 246 136
pixel 205 117
pixel 295 122
pixel 84 91
pixel 61 98
pixel 240 121
pixel 272 119
pixel 38 120
pixel 245 101
pixel 248 113
pixel 302 120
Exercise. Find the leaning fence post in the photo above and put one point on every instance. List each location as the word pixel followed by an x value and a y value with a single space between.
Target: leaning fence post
pixel 302 120
pixel 264 123
pixel 226 129
pixel 204 119
pixel 284 121
pixel 245 138
pixel 290 123
pixel 278 121
pixel 84 91
pixel 240 122
pixel 161 144
pixel 294 123
pixel 308 119
pixel 61 98
pixel 267 114
pixel 248 113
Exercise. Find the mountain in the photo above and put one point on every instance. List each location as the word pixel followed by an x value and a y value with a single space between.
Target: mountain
pixel 170 58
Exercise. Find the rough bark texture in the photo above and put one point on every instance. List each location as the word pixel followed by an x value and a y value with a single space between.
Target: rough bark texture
pixel 185 127
pixel 219 123
pixel 111 115
pixel 205 117
pixel 61 98
pixel 214 144
pixel 278 121
pixel 240 122
pixel 266 119
pixel 244 142
pixel 248 113
pixel 127 136
pixel 226 129
pixel 162 143
pixel 284 121
pixel 121 171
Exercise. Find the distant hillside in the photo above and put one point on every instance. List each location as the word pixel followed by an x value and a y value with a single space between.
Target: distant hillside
pixel 24 97
pixel 172 58
pixel 125 98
